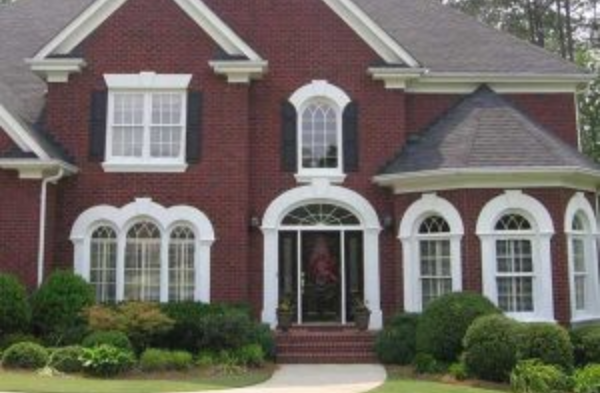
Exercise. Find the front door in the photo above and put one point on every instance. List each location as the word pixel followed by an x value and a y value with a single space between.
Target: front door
pixel 321 283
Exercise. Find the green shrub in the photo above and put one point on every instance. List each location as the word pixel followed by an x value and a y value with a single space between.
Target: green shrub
pixel 532 376
pixel 15 314
pixel 106 361
pixel 427 364
pixel 214 327
pixel 587 380
pixel 163 360
pixel 251 355
pixel 16 338
pixel 207 359
pixel 142 322
pixel 25 355
pixel 444 323
pixel 491 348
pixel 396 344
pixel 67 359
pixel 458 371
pixel 58 308
pixel 262 335
pixel 547 342
pixel 586 344
pixel 112 337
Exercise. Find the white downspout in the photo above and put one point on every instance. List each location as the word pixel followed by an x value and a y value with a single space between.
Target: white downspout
pixel 42 234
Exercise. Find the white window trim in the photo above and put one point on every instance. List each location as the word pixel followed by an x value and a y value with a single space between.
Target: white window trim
pixel 428 205
pixel 167 219
pixel 540 236
pixel 301 99
pixel 579 204
pixel 145 83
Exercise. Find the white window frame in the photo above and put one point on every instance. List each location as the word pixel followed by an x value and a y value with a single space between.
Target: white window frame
pixel 315 92
pixel 580 205
pixel 146 84
pixel 429 205
pixel 517 202
pixel 166 219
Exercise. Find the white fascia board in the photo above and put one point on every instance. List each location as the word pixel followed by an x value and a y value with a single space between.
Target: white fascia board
pixel 503 178
pixel 384 45
pixel 80 28
pixel 100 10
pixel 35 169
pixel 217 29
pixel 20 135
pixel 240 71
pixel 148 81
pixel 55 70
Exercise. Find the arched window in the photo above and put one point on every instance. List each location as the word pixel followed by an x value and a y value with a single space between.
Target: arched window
pixel 435 259
pixel 320 135
pixel 181 264
pixel 515 231
pixel 431 231
pixel 515 272
pixel 583 259
pixel 142 262
pixel 103 263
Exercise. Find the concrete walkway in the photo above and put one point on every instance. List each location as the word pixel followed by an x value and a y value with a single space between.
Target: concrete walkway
pixel 320 379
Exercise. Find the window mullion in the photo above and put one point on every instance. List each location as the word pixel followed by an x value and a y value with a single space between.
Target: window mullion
pixel 147 126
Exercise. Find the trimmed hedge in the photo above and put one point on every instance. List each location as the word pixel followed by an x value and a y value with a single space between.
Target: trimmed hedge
pixel 15 313
pixel 586 344
pixel 29 356
pixel 547 342
pixel 445 321
pixel 396 344
pixel 58 308
pixel 111 337
pixel 67 359
pixel 162 360
pixel 491 348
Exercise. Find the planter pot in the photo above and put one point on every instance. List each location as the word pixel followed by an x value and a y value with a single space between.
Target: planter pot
pixel 362 319
pixel 284 320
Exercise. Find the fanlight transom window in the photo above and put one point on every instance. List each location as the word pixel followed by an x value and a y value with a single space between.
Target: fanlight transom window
pixel 513 222
pixel 319 136
pixel 320 215
pixel 433 225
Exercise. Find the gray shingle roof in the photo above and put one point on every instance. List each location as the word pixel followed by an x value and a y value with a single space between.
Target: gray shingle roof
pixel 486 131
pixel 445 40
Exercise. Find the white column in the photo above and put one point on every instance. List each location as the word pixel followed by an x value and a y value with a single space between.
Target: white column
pixel 372 277
pixel 270 277
pixel 203 268
pixel 121 244
pixel 164 267
pixel 81 262
pixel 412 302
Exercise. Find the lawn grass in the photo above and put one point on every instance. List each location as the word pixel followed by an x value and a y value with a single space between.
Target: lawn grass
pixel 158 383
pixel 401 380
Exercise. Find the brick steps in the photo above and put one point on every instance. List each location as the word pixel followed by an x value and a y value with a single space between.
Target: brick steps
pixel 322 345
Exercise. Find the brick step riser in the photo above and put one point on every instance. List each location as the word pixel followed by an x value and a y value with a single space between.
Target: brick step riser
pixel 307 359
pixel 329 347
pixel 325 339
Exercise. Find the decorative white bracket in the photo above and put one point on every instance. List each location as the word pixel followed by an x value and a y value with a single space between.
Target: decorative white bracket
pixel 240 71
pixel 56 70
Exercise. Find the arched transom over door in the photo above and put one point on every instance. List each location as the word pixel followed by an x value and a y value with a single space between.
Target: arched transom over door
pixel 322 255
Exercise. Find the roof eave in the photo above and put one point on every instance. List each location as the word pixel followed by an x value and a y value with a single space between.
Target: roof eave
pixel 36 169
pixel 578 178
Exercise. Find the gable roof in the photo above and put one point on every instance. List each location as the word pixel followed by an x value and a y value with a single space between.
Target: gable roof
pixel 485 131
pixel 446 40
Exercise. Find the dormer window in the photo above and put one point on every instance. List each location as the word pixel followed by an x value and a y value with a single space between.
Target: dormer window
pixel 146 123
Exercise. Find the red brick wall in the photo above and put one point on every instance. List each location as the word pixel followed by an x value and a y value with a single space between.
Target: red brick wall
pixel 470 203
pixel 5 141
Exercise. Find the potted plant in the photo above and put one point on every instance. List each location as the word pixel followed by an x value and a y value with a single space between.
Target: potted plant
pixel 285 314
pixel 362 314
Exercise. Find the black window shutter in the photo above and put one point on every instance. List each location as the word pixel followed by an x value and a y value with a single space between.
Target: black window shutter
pixel 350 137
pixel 194 127
pixel 289 138
pixel 98 115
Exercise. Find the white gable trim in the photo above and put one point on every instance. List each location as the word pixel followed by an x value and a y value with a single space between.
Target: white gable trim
pixel 19 134
pixel 371 33
pixel 89 20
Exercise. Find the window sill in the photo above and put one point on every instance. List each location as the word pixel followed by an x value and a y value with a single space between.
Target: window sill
pixel 530 318
pixel 336 178
pixel 121 167
pixel 584 318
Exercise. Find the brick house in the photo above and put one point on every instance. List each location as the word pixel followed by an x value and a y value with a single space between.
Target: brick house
pixel 321 151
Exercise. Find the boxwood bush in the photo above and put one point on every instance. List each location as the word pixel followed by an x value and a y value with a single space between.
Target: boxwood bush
pixel 15 314
pixel 58 308
pixel 547 342
pixel 112 337
pixel 445 321
pixel 396 344
pixel 67 359
pixel 586 344
pixel 29 356
pixel 16 338
pixel 164 360
pixel 491 348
